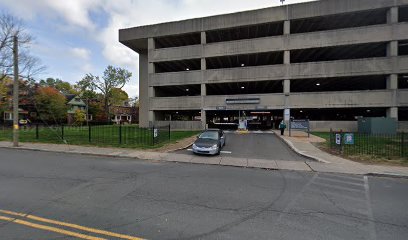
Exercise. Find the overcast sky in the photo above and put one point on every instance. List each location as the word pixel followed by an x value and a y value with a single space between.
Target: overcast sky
pixel 75 37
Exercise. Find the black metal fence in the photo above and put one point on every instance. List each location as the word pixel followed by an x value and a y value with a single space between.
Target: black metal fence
pixel 102 134
pixel 381 145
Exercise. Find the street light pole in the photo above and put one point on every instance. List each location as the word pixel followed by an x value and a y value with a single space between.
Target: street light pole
pixel 15 93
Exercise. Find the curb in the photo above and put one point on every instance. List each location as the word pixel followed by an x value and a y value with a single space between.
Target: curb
pixel 182 148
pixel 291 146
pixel 389 175
pixel 373 174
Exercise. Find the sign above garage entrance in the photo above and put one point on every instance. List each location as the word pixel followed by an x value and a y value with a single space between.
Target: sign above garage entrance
pixel 230 101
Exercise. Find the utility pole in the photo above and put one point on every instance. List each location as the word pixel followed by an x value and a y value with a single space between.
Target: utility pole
pixel 15 92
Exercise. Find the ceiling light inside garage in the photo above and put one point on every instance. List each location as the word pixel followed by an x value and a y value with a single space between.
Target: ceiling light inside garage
pixel 242 87
pixel 242 65
pixel 187 69
pixel 317 84
pixel 187 89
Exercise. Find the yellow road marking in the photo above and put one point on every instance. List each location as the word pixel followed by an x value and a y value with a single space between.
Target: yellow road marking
pixel 51 229
pixel 71 225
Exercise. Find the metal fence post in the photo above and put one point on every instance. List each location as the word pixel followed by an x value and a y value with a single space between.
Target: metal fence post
pixel 62 131
pixel 169 133
pixel 402 144
pixel 153 135
pixel 120 132
pixel 37 135
pixel 330 139
pixel 89 132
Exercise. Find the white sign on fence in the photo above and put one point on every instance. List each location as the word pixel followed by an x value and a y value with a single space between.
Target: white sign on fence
pixel 338 138
pixel 155 133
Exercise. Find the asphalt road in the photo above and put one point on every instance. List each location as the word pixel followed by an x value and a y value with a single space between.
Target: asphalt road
pixel 157 200
pixel 256 146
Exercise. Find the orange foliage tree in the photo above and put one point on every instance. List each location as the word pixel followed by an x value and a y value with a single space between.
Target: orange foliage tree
pixel 51 105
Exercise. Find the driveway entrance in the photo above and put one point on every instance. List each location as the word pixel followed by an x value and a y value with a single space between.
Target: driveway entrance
pixel 261 145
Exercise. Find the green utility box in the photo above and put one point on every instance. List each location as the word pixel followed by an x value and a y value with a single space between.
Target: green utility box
pixel 377 126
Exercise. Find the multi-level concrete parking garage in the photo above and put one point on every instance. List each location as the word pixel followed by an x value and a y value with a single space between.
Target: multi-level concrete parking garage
pixel 329 61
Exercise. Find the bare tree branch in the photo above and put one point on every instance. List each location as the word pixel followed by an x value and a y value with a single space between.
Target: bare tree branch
pixel 28 64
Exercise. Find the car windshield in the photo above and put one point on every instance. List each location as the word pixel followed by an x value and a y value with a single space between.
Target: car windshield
pixel 210 135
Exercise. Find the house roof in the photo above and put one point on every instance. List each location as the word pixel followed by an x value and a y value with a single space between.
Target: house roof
pixel 69 97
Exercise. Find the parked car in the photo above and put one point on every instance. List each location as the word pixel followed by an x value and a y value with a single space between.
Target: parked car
pixel 209 142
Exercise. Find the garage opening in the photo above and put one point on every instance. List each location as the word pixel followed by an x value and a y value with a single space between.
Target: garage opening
pixel 403 14
pixel 245 32
pixel 177 91
pixel 237 88
pixel 358 83
pixel 356 51
pixel 403 48
pixel 339 21
pixel 337 114
pixel 178 40
pixel 177 66
pixel 245 60
pixel 403 114
pixel 255 119
pixel 403 81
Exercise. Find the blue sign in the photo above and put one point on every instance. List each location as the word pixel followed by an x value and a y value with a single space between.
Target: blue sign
pixel 349 139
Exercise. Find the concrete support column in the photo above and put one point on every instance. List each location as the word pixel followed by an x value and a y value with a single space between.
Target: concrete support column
pixel 286 27
pixel 392 113
pixel 150 47
pixel 286 90
pixel 150 44
pixel 286 87
pixel 150 92
pixel 203 119
pixel 392 49
pixel 203 64
pixel 203 113
pixel 151 118
pixel 392 84
pixel 286 57
pixel 392 15
pixel 203 38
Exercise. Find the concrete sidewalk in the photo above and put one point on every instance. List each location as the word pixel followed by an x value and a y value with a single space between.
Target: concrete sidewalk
pixel 324 163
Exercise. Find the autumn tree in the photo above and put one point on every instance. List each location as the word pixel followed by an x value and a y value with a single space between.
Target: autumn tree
pixel 79 117
pixel 51 104
pixel 62 86
pixel 118 97
pixel 112 78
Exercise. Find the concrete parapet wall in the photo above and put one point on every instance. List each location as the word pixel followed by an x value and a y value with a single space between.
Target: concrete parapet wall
pixel 342 68
pixel 181 125
pixel 403 126
pixel 325 126
pixel 366 34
